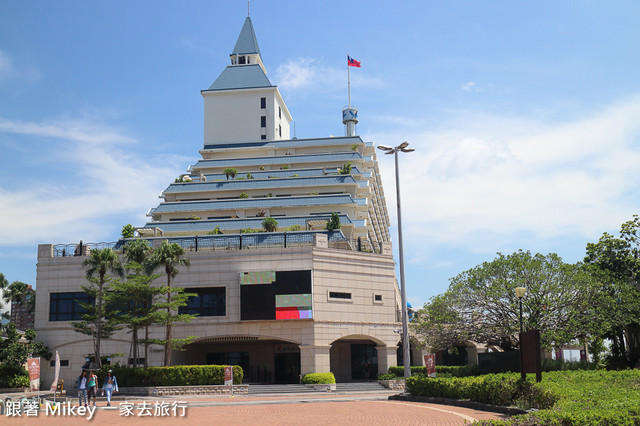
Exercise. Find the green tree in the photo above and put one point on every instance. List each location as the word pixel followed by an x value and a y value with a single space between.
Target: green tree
pixel 128 231
pixel 230 173
pixel 270 224
pixel 98 263
pixel 481 305
pixel 333 223
pixel 14 351
pixel 138 304
pixel 619 259
pixel 169 256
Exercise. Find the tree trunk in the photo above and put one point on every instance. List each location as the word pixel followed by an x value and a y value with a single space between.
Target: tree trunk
pixel 134 338
pixel 167 346
pixel 146 346
pixel 98 357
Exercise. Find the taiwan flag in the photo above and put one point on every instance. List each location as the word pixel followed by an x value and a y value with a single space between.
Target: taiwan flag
pixel 352 62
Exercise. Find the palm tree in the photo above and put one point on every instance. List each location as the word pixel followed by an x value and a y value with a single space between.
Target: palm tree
pixel 230 172
pixel 169 256
pixel 99 263
pixel 136 251
pixel 270 224
pixel 18 291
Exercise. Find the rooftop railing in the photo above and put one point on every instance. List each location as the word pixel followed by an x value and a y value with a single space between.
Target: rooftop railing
pixel 246 241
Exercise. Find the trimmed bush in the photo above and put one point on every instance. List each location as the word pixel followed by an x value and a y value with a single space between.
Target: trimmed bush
pixel 497 389
pixel 318 378
pixel 179 375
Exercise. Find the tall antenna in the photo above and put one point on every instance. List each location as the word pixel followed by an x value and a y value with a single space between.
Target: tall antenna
pixel 248 4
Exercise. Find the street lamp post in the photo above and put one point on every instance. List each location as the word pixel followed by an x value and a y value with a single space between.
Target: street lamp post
pixel 520 293
pixel 406 360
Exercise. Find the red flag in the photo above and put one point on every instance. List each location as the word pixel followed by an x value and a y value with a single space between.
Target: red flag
pixel 352 62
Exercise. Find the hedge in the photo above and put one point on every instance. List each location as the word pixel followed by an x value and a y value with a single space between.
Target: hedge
pixel 475 370
pixel 498 389
pixel 441 371
pixel 568 398
pixel 318 378
pixel 180 375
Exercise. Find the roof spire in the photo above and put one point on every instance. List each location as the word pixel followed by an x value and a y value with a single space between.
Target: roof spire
pixel 248 4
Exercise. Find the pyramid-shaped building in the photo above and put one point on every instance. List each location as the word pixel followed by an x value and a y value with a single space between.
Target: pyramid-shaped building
pixel 288 241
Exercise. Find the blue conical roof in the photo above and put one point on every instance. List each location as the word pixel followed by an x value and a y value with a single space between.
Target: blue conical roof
pixel 247 42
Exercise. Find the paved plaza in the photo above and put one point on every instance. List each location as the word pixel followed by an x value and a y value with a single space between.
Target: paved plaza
pixel 363 409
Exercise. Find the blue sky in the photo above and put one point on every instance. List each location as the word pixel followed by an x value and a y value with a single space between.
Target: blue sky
pixel 524 115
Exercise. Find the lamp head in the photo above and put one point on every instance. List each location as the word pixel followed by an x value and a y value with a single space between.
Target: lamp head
pixel 385 148
pixel 403 145
pixel 407 149
pixel 520 292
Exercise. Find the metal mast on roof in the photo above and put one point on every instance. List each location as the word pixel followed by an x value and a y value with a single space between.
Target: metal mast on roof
pixel 349 114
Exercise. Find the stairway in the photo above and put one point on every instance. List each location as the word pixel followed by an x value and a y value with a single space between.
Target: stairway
pixel 344 388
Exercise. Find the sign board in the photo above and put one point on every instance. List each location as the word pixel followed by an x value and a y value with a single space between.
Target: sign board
pixel 430 364
pixel 33 365
pixel 228 376
pixel 530 354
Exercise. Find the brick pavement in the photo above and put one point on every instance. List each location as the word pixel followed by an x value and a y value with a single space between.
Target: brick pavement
pixel 285 410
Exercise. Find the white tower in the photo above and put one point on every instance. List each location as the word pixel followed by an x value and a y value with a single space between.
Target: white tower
pixel 242 104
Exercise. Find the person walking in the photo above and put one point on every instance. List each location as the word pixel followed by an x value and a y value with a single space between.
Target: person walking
pixel 110 385
pixel 92 384
pixel 82 388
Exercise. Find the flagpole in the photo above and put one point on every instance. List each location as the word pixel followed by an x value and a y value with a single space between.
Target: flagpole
pixel 349 79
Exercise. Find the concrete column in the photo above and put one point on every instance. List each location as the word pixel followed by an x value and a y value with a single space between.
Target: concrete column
pixel 472 355
pixel 314 359
pixel 321 240
pixel 385 248
pixel 45 251
pixel 387 357
pixel 158 242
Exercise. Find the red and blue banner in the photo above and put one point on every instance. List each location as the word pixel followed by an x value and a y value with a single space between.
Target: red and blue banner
pixel 352 62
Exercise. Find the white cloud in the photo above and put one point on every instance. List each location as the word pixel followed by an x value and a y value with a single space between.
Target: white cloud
pixel 6 66
pixel 309 74
pixel 468 86
pixel 104 178
pixel 479 182
pixel 10 71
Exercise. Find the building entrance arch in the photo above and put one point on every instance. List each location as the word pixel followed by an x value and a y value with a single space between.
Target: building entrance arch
pixel 355 358
pixel 263 359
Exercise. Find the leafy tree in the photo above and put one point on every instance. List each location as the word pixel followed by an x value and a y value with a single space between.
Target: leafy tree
pixel 138 304
pixel 128 231
pixel 99 263
pixel 481 305
pixel 14 352
pixel 169 256
pixel 230 173
pixel 619 259
pixel 244 195
pixel 333 223
pixel 270 224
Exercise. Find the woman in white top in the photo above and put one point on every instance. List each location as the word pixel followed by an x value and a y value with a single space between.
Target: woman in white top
pixel 110 385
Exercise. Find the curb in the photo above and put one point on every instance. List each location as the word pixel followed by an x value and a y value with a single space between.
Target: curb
pixel 512 411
